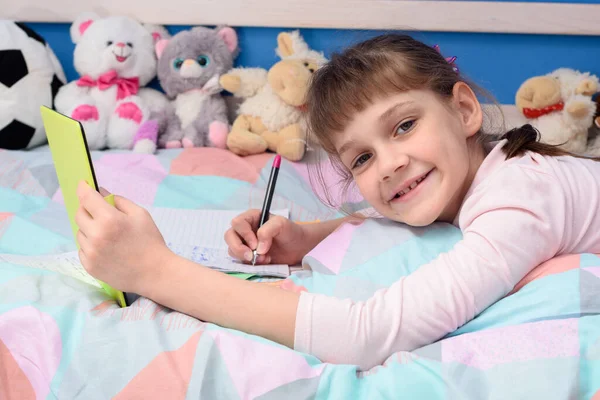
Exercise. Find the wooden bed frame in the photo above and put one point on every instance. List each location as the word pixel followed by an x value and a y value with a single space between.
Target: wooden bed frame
pixel 407 15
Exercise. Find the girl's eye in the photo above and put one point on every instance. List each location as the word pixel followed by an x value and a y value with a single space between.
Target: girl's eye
pixel 404 127
pixel 361 160
pixel 202 60
pixel 177 63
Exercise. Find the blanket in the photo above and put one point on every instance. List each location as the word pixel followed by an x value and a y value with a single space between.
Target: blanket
pixel 63 339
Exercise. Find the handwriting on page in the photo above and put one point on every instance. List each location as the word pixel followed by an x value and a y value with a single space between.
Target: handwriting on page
pixel 193 234
pixel 63 263
pixel 219 259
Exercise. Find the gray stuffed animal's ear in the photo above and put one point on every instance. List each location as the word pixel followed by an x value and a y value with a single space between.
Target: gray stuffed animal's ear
pixel 158 32
pixel 230 37
pixel 80 25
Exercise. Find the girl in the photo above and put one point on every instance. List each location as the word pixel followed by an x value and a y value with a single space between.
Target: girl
pixel 407 129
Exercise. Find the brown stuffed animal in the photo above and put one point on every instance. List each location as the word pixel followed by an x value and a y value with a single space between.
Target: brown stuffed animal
pixel 270 117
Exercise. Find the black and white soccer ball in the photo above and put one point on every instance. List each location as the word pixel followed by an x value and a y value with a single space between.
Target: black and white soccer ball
pixel 30 76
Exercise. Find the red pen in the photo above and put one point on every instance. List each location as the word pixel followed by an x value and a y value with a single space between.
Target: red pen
pixel 266 208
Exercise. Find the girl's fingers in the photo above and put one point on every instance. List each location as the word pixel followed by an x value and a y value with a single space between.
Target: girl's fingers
pixel 237 248
pixel 83 259
pixel 243 224
pixel 83 242
pixel 92 201
pixel 267 232
pixel 84 221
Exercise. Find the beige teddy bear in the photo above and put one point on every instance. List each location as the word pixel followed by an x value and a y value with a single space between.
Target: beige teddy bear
pixel 271 115
pixel 560 106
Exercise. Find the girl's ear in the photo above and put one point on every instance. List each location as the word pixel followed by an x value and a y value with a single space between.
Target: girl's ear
pixel 468 106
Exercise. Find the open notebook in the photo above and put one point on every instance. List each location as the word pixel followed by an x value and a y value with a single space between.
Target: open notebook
pixel 198 236
pixel 193 234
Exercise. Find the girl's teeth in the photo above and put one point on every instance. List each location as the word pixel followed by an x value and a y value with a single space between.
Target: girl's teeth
pixel 411 187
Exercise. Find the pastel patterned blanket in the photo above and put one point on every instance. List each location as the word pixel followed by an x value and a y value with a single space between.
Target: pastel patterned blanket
pixel 63 339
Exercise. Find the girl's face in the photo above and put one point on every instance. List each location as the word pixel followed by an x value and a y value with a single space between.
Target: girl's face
pixel 409 154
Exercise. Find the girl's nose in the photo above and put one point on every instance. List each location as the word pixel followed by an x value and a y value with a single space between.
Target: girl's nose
pixel 391 163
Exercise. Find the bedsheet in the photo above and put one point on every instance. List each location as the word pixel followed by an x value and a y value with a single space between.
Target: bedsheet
pixel 63 339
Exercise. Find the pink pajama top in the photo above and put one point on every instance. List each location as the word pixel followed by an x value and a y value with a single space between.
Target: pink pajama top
pixel 517 214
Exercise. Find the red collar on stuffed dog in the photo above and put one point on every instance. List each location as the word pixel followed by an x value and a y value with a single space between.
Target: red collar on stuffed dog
pixel 538 112
pixel 125 86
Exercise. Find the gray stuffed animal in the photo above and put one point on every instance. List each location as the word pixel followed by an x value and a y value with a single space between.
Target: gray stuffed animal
pixel 189 67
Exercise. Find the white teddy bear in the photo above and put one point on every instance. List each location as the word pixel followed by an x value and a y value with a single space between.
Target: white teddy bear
pixel 560 106
pixel 115 58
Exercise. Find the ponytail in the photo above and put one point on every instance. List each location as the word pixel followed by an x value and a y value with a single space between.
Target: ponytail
pixel 527 138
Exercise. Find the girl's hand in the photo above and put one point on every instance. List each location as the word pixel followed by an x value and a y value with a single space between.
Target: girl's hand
pixel 119 245
pixel 278 241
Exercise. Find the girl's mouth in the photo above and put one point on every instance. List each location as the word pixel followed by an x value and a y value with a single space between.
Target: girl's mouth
pixel 402 194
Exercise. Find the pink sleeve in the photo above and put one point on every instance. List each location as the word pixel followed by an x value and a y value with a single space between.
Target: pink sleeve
pixel 508 229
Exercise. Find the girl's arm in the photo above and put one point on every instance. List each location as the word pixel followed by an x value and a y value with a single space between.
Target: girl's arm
pixel 122 246
pixel 212 296
pixel 224 300
pixel 511 223
pixel 508 229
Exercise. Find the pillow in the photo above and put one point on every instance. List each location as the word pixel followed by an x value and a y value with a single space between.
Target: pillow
pixel 359 258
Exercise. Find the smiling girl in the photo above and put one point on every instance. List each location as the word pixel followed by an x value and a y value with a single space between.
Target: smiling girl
pixel 407 129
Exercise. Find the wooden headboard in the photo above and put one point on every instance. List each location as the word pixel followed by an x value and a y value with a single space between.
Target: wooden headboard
pixel 420 15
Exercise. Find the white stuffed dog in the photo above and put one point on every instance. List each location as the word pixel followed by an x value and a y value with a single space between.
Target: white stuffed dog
pixel 560 106
pixel 115 58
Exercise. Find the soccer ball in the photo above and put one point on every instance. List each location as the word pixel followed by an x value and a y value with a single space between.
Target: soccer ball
pixel 30 76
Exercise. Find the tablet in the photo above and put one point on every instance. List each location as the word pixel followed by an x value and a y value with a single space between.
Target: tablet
pixel 73 163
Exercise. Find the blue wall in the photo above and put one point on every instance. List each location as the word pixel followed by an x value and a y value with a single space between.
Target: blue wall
pixel 498 62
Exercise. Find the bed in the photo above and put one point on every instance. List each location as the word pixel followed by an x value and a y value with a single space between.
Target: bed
pixel 63 339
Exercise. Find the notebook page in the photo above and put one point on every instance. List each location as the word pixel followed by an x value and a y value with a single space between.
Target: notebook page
pixel 219 259
pixel 198 236
pixel 193 234
pixel 63 263
pixel 197 227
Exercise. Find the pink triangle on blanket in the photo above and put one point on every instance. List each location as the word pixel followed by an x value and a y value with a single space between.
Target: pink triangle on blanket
pixel 593 270
pixel 13 381
pixel 201 161
pixel 271 365
pixel 167 376
pixel 332 250
pixel 553 266
pixel 33 341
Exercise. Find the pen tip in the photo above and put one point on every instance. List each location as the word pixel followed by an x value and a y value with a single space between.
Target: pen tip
pixel 277 161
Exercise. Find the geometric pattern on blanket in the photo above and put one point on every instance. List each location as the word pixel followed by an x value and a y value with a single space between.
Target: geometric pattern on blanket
pixel 62 339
